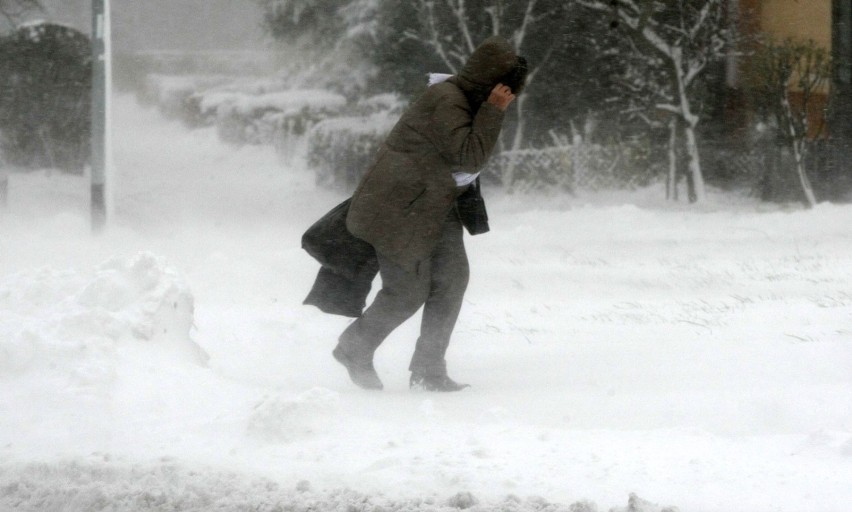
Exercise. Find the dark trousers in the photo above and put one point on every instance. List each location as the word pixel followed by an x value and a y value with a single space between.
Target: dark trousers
pixel 438 285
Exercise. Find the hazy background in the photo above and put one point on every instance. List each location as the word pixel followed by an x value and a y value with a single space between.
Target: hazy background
pixel 156 25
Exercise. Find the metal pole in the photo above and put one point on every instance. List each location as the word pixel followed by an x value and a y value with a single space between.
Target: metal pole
pixel 99 115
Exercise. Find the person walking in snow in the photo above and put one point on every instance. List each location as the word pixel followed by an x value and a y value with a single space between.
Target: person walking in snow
pixel 405 207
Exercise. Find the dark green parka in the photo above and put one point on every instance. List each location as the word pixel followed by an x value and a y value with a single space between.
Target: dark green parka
pixel 405 196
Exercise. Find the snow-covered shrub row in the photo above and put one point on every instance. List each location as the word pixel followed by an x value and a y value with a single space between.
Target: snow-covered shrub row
pixel 176 97
pixel 341 136
pixel 104 484
pixel 271 117
pixel 243 110
pixel 341 149
pixel 571 168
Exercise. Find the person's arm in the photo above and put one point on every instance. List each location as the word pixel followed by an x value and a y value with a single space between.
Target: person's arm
pixel 467 143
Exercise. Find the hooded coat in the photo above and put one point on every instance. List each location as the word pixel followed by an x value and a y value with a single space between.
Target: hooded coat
pixel 404 198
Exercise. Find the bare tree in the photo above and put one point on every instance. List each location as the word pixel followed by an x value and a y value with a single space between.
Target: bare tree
pixel 642 86
pixel 452 29
pixel 782 71
pixel 318 40
pixel 681 37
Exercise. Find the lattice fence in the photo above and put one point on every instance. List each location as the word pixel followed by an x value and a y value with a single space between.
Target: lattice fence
pixel 571 168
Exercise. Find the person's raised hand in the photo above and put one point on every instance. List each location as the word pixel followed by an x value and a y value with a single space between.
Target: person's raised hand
pixel 501 96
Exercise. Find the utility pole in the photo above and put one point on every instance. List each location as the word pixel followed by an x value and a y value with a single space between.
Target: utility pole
pixel 100 111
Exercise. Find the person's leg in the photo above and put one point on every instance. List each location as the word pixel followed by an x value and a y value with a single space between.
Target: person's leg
pixel 401 295
pixel 449 274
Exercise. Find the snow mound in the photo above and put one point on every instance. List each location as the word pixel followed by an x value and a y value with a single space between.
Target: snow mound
pixel 103 484
pixel 281 419
pixel 637 504
pixel 50 318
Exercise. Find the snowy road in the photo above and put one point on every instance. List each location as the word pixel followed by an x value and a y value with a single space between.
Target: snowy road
pixel 698 357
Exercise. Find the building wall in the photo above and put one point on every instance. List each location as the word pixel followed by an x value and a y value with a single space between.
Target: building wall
pixel 797 19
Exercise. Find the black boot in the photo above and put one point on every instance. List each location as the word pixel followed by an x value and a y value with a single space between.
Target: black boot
pixel 440 383
pixel 362 374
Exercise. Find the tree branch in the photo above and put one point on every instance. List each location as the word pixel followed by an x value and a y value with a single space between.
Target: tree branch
pixel 427 13
pixel 521 32
pixel 458 9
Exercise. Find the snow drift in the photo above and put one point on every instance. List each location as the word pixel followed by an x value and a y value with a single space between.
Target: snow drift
pixel 617 344
pixel 61 319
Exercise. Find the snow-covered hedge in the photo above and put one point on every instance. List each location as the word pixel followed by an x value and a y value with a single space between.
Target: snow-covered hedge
pixel 267 111
pixel 270 117
pixel 179 97
pixel 341 149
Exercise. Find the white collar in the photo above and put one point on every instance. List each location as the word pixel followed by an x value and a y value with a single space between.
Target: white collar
pixel 436 78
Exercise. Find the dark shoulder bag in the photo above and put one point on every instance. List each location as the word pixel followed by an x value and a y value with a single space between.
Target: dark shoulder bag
pixel 471 208
pixel 333 246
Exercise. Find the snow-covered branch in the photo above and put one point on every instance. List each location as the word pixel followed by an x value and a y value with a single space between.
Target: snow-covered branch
pixel 668 107
pixel 458 9
pixel 702 17
pixel 495 13
pixel 693 70
pixel 631 15
pixel 521 32
pixel 432 36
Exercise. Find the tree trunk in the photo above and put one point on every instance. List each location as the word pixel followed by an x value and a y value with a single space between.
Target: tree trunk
pixel 696 178
pixel 579 170
pixel 518 139
pixel 807 189
pixel 798 147
pixel 671 181
pixel 4 190
pixel 697 191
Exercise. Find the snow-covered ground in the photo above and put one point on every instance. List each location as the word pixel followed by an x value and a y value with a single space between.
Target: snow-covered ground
pixel 699 357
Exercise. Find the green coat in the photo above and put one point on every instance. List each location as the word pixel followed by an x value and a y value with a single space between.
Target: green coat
pixel 403 199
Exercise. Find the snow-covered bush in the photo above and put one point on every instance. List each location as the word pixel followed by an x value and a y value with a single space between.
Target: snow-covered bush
pixel 341 149
pixel 179 97
pixel 572 167
pixel 45 80
pixel 269 117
